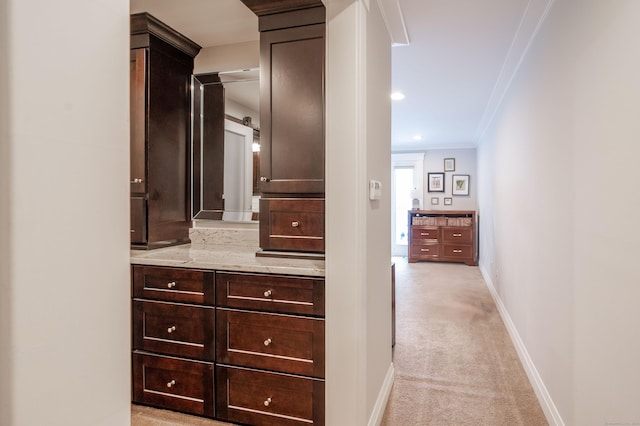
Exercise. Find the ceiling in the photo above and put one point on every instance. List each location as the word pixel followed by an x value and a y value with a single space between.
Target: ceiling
pixel 453 59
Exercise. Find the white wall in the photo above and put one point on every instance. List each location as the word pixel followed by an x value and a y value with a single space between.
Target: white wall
pixel 358 360
pixel 64 216
pixel 557 191
pixel 465 164
pixel 378 235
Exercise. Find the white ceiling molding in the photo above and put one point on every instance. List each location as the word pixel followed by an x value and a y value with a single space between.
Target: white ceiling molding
pixel 394 21
pixel 532 19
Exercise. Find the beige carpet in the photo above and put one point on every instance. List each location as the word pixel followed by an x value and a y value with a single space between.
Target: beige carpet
pixel 454 361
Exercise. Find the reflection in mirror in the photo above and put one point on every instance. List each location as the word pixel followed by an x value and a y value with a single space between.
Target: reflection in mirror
pixel 226 145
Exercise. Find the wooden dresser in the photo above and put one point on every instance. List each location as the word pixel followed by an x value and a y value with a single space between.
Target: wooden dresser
pixel 238 347
pixel 442 236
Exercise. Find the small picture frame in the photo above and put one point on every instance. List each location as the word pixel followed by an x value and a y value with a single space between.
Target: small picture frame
pixel 435 182
pixel 448 201
pixel 460 185
pixel 449 164
pixel 435 201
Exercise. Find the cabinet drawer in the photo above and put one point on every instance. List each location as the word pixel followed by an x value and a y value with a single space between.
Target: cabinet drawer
pixel 173 285
pixel 425 251
pixel 270 399
pixel 273 293
pixel 457 251
pixel 418 234
pixel 457 235
pixel 292 224
pixel 173 383
pixel 271 341
pixel 172 329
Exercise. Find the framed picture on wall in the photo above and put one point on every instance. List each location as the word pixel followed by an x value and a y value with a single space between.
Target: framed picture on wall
pixel 436 182
pixel 448 201
pixel 460 185
pixel 435 201
pixel 449 164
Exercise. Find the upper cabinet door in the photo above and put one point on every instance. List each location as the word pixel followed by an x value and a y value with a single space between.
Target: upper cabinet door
pixel 292 110
pixel 138 120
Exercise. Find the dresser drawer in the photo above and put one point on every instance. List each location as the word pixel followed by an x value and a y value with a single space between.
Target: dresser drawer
pixel 419 233
pixel 271 341
pixel 292 224
pixel 173 285
pixel 273 293
pixel 270 399
pixel 174 329
pixel 425 251
pixel 456 251
pixel 457 235
pixel 173 383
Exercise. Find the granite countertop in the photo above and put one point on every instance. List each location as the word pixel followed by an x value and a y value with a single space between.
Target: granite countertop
pixel 226 258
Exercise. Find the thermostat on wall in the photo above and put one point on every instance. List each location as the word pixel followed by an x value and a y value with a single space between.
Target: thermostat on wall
pixel 375 189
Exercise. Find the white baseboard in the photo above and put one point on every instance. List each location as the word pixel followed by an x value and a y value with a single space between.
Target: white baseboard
pixel 383 397
pixel 549 408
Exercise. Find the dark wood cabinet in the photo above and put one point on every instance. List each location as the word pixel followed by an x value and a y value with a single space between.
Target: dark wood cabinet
pixel 292 110
pixel 292 119
pixel 235 346
pixel 448 236
pixel 161 68
pixel 270 352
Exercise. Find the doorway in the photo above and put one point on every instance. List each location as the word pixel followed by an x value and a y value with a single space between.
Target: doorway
pixel 406 187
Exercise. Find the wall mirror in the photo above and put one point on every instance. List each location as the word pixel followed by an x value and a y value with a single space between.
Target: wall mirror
pixel 225 145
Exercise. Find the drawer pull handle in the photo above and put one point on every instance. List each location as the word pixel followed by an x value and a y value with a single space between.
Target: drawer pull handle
pixel 171 384
pixel 424 234
pixel 172 284
pixel 267 342
pixel 267 402
pixel 457 235
pixel 136 180
pixel 295 224
pixel 457 251
pixel 268 293
pixel 425 250
pixel 171 329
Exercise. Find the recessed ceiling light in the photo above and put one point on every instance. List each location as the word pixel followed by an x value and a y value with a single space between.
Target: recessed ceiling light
pixel 397 96
pixel 417 138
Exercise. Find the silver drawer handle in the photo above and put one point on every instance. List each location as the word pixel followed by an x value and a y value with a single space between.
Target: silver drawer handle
pixel 267 402
pixel 171 384
pixel 457 235
pixel 295 224
pixel 457 251
pixel 136 180
pixel 424 250
pixel 171 329
pixel 268 293
pixel 172 284
pixel 267 342
pixel 424 234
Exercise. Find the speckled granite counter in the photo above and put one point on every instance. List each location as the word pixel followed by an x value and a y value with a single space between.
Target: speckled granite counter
pixel 226 258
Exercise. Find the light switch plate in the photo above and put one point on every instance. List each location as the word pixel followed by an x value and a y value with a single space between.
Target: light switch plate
pixel 375 189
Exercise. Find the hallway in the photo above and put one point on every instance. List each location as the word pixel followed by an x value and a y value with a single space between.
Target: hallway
pixel 454 361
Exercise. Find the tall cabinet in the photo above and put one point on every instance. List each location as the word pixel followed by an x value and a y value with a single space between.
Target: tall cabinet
pixel 161 68
pixel 292 168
